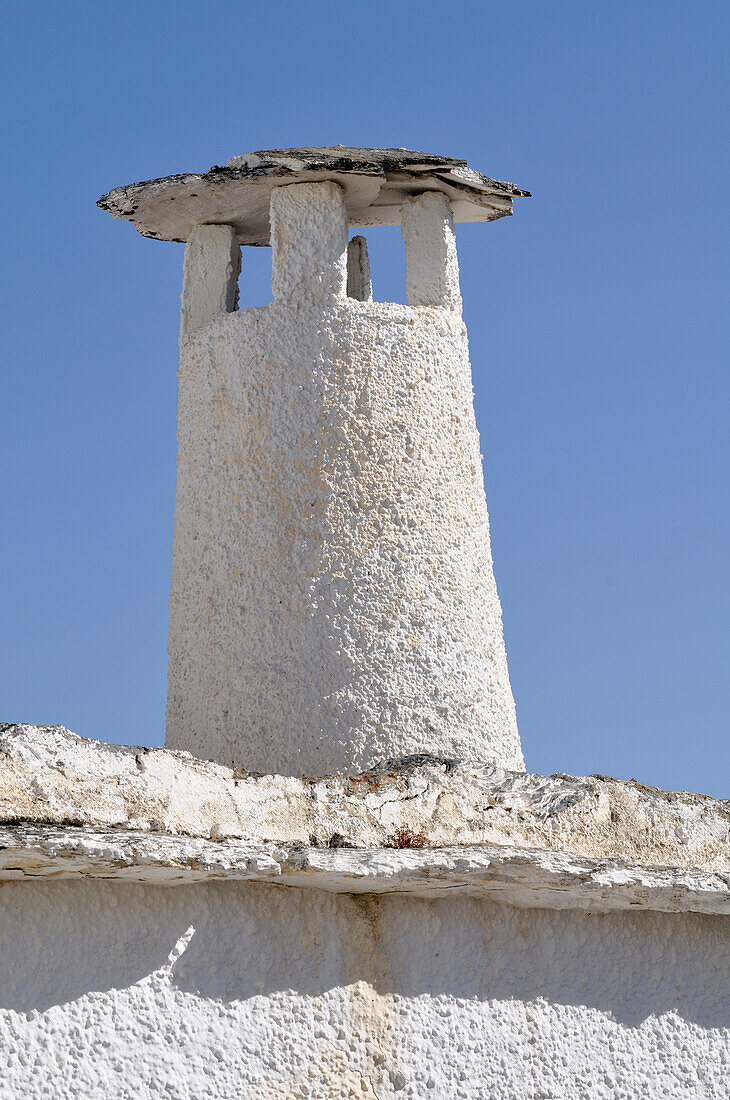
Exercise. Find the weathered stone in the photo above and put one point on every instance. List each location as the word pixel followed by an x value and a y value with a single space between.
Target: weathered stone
pixel 359 282
pixel 394 973
pixel 70 806
pixel 375 184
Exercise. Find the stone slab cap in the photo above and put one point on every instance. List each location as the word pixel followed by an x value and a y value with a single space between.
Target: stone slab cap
pixel 375 183
pixel 72 807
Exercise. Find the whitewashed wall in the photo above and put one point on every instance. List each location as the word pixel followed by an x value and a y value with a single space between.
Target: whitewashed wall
pixel 333 602
pixel 285 993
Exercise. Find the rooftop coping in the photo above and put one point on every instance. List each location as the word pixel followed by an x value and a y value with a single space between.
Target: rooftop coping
pixel 375 184
pixel 71 807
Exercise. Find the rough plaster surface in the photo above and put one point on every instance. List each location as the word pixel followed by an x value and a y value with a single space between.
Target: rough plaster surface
pixel 524 877
pixel 72 807
pixel 308 243
pixel 432 267
pixel 241 992
pixel 333 600
pixel 210 276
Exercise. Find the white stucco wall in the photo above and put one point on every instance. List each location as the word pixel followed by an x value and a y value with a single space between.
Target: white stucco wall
pixel 284 993
pixel 333 601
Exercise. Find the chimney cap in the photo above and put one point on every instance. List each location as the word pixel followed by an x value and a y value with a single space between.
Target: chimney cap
pixel 375 183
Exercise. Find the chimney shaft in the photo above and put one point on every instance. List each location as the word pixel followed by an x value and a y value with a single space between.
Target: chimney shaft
pixel 333 602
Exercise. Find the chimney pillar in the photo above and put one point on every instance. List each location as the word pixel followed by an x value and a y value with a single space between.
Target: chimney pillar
pixel 210 275
pixel 359 283
pixel 333 603
pixel 432 267
pixel 308 241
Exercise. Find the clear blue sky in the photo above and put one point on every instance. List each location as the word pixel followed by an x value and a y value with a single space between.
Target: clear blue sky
pixel 597 319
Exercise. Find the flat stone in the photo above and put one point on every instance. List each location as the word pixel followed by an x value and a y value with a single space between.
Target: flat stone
pixel 375 183
pixel 525 877
pixel 420 825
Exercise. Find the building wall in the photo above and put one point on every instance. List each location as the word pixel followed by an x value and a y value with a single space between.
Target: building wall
pixel 284 993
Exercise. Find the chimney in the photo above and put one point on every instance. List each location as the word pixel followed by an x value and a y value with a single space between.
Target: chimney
pixel 333 602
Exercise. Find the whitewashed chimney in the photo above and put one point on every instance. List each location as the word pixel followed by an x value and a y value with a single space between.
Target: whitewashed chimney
pixel 333 602
pixel 430 928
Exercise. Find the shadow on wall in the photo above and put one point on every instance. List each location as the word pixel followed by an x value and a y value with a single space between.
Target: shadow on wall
pixel 60 941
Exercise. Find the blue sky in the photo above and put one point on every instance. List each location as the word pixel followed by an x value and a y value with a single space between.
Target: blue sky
pixel 597 320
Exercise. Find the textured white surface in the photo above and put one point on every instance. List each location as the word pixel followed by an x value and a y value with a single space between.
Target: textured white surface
pixel 526 877
pixel 432 268
pixel 71 807
pixel 210 275
pixel 227 991
pixel 308 243
pixel 333 600
pixel 51 776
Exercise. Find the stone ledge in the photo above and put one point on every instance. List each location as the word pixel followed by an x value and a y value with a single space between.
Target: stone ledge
pixel 374 181
pixel 524 877
pixel 73 807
